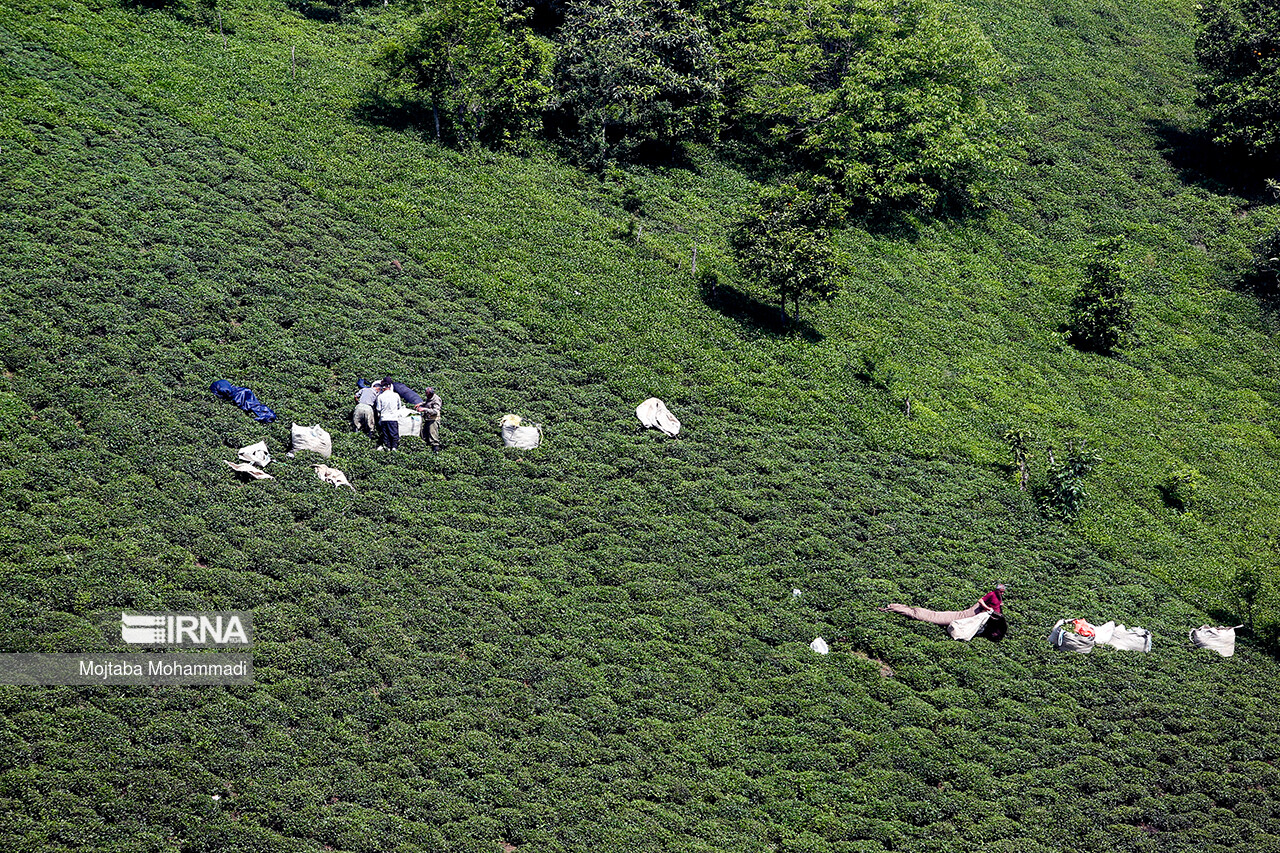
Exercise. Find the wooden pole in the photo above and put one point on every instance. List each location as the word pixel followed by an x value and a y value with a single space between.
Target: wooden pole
pixel 293 58
pixel 693 268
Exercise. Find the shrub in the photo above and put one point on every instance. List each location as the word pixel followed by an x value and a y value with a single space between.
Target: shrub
pixel 1064 492
pixel 1102 312
pixel 1181 488
pixel 1266 269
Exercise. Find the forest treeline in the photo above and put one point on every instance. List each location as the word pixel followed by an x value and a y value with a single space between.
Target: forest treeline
pixel 897 102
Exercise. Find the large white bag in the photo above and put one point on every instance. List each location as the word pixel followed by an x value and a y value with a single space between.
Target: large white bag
pixel 256 454
pixel 522 437
pixel 410 423
pixel 1069 641
pixel 969 627
pixel 1120 637
pixel 313 438
pixel 654 414
pixel 1221 639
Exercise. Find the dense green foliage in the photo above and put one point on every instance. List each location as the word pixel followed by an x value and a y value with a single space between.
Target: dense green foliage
pixel 484 79
pixel 888 97
pixel 635 74
pixel 1238 48
pixel 891 99
pixel 594 646
pixel 1064 492
pixel 1102 311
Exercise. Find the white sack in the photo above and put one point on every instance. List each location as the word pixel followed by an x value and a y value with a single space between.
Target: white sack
pixel 312 438
pixel 410 423
pixel 820 646
pixel 1067 641
pixel 522 437
pixel 248 468
pixel 1126 639
pixel 969 627
pixel 256 454
pixel 653 413
pixel 1221 639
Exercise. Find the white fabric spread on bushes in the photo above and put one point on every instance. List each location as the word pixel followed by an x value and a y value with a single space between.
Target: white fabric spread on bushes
pixel 333 476
pixel 248 468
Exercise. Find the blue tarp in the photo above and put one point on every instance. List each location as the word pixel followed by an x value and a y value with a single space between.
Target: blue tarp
pixel 410 396
pixel 245 399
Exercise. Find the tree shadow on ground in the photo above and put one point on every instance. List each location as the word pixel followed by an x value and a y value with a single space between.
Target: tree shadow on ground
pixel 759 318
pixel 1201 162
pixel 375 108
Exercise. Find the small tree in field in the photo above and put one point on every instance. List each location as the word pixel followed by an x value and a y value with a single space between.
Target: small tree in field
pixel 1019 442
pixel 1266 271
pixel 783 242
pixel 1102 312
pixel 1064 492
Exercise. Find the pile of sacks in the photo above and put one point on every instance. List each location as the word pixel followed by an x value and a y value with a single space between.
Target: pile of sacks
pixel 1077 635
pixel 254 458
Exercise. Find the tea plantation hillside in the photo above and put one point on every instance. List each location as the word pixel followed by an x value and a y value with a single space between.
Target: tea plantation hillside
pixel 595 645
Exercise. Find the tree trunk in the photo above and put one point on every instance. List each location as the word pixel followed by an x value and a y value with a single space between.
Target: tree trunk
pixel 435 113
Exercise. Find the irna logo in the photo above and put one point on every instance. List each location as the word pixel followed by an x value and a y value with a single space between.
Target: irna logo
pixel 186 629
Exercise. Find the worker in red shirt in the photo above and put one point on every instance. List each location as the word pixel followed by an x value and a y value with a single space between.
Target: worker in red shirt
pixel 992 601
